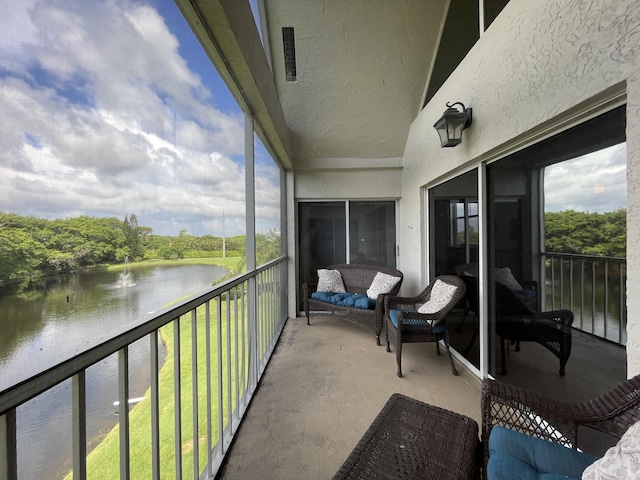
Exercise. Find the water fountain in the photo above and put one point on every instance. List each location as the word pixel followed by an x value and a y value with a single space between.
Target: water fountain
pixel 125 279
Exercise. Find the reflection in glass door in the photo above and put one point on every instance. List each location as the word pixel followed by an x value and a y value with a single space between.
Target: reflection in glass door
pixel 323 237
pixel 454 238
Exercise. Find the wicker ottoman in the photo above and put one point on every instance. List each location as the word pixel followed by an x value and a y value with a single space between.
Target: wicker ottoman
pixel 411 439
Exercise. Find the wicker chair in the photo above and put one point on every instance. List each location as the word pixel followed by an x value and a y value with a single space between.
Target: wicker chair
pixel 415 327
pixel 555 421
pixel 516 322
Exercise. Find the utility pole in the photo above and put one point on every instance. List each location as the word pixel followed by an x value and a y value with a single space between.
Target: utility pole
pixel 224 238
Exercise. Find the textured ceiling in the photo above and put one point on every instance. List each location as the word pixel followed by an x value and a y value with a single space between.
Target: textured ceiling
pixel 362 71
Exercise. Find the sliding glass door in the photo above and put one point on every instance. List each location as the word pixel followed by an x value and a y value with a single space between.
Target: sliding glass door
pixel 324 239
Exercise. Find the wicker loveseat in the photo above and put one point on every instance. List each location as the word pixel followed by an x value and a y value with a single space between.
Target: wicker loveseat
pixel 357 279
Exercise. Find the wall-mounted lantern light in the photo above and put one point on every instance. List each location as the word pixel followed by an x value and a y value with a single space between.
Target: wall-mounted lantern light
pixel 452 123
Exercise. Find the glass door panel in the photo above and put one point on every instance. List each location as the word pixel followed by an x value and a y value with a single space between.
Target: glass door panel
pixel 454 229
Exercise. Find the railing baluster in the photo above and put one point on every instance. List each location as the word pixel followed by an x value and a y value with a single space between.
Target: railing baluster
pixel 571 284
pixel 79 425
pixel 245 344
pixel 154 372
pixel 236 352
pixel 194 393
pixel 593 296
pixel 177 398
pixel 208 374
pixel 8 449
pixel 228 364
pixel 606 297
pixel 123 415
pixel 553 284
pixel 220 377
pixel 622 324
pixel 581 294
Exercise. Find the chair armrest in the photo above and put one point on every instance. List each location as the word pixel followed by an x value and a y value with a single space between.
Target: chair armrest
pixel 308 288
pixel 565 317
pixel 539 416
pixel 392 302
pixel 527 412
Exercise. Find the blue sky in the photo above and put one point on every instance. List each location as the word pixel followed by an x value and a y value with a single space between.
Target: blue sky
pixel 111 108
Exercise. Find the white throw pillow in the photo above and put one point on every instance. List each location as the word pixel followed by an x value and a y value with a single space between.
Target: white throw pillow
pixel 330 281
pixel 505 277
pixel 620 461
pixel 382 283
pixel 441 294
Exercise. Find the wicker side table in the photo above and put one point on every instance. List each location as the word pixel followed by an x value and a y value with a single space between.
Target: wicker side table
pixel 410 439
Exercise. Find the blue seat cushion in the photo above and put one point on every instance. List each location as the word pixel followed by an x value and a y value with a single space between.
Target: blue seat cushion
pixel 355 300
pixel 525 295
pixel 516 456
pixel 408 322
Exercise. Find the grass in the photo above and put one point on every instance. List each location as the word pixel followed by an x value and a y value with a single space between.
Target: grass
pixel 104 460
pixel 230 263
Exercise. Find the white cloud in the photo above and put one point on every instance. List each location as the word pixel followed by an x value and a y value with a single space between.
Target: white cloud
pixel 591 183
pixel 103 116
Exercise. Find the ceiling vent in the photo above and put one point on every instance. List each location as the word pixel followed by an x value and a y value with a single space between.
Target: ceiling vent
pixel 289 45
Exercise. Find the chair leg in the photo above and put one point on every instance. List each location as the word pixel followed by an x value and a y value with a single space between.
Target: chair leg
pixel 399 357
pixel 378 340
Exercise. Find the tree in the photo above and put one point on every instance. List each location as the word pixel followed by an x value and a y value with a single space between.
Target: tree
pixel 133 237
pixel 595 234
pixel 21 256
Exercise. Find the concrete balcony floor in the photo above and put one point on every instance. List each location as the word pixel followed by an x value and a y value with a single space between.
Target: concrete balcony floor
pixel 327 382
pixel 323 387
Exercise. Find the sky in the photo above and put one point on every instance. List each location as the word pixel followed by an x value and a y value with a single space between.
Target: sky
pixel 594 183
pixel 111 108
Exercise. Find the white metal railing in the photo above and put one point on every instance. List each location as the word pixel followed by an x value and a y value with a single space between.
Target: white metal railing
pixel 593 288
pixel 237 324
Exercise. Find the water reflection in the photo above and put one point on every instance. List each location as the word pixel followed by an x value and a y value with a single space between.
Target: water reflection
pixel 64 316
pixel 69 314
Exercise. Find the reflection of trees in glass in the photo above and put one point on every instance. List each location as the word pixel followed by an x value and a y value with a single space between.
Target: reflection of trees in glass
pixel 596 234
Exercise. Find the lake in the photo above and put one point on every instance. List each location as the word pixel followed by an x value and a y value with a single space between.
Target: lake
pixel 69 314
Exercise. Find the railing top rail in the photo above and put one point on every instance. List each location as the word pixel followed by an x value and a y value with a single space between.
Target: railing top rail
pixel 584 257
pixel 23 391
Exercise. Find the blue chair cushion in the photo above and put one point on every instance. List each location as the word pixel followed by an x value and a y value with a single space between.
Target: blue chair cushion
pixel 356 300
pixel 322 296
pixel 525 295
pixel 516 456
pixel 362 301
pixel 437 330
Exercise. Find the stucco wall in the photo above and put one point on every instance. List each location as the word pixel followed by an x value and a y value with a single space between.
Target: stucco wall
pixel 348 184
pixel 537 64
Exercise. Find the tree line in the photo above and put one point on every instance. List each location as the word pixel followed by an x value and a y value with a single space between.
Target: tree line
pixel 587 233
pixel 32 247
